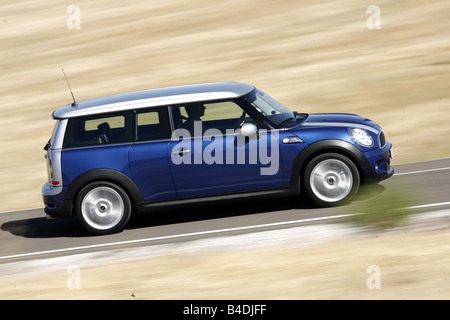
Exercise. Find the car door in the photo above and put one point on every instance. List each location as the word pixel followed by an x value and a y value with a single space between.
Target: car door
pixel 208 155
pixel 148 156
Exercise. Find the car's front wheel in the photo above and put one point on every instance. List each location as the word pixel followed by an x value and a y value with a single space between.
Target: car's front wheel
pixel 103 208
pixel 331 179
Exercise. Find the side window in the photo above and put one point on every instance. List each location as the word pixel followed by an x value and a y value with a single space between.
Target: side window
pixel 98 130
pixel 152 124
pixel 199 117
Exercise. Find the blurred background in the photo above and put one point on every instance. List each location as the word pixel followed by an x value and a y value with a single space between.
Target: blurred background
pixel 313 56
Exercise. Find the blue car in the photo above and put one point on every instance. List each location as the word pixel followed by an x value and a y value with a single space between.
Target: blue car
pixel 111 156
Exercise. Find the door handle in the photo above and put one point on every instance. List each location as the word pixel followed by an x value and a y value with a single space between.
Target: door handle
pixel 181 151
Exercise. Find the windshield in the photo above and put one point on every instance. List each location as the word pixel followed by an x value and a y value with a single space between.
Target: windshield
pixel 272 110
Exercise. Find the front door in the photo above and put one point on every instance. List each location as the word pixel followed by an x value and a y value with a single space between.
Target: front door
pixel 210 156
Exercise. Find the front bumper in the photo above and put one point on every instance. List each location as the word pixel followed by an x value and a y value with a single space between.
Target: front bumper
pixel 54 201
pixel 379 160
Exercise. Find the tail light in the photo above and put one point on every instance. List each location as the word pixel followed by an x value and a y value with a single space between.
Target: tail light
pixel 49 171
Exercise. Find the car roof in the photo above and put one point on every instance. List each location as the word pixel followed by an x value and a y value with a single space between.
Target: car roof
pixel 154 97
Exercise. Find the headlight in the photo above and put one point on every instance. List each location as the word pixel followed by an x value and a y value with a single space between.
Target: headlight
pixel 361 137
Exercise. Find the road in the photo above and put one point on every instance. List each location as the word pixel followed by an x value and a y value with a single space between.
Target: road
pixel 27 234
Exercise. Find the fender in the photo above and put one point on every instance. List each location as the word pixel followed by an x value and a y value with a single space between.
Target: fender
pixel 330 145
pixel 108 175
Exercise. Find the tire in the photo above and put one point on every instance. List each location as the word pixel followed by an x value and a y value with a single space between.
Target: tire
pixel 331 179
pixel 103 208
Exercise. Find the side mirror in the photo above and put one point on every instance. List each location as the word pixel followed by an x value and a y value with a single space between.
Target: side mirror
pixel 249 130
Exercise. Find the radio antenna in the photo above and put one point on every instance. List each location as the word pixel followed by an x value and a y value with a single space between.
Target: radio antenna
pixel 74 104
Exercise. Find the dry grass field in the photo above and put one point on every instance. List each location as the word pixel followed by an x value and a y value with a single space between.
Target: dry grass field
pixel 412 265
pixel 312 56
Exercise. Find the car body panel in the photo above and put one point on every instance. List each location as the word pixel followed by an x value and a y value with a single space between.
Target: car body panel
pixel 80 160
pixel 237 168
pixel 150 170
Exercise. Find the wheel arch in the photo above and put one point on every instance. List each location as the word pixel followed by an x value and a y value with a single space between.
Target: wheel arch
pixel 107 175
pixel 326 146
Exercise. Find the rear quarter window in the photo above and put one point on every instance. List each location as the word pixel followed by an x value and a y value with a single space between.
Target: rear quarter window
pixel 99 130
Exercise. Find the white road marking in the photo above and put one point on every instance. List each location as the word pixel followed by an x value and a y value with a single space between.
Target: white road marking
pixel 175 236
pixel 429 205
pixel 421 171
pixel 184 235
pixel 294 237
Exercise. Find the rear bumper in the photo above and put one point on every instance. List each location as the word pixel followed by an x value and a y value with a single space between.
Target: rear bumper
pixel 55 204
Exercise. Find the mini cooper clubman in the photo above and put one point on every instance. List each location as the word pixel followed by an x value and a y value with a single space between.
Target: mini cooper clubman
pixel 118 154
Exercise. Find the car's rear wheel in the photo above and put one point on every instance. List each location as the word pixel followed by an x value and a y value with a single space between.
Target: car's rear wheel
pixel 331 179
pixel 103 208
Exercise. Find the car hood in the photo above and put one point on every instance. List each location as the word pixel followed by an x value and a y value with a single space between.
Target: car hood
pixel 340 120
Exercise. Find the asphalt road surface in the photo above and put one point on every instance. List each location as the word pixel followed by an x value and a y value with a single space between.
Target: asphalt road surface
pixel 27 234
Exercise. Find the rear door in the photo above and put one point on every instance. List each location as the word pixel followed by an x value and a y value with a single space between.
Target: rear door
pixel 148 156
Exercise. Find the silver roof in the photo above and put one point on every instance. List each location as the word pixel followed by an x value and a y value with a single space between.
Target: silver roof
pixel 155 97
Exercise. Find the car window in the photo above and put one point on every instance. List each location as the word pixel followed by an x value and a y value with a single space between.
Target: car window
pixel 98 130
pixel 152 125
pixel 113 122
pixel 221 115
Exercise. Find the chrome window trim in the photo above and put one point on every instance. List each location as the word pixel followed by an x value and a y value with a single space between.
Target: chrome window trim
pixel 130 143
